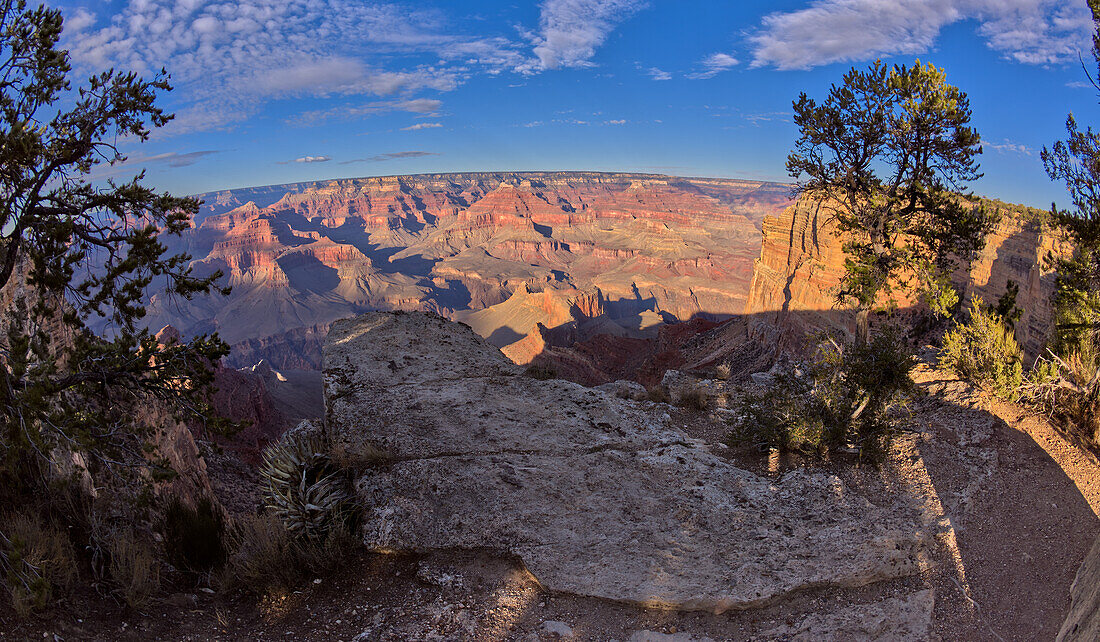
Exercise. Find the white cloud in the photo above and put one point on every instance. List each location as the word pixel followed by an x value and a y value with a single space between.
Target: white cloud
pixel 313 159
pixel 1028 31
pixel 421 106
pixel 615 122
pixel 715 64
pixel 1008 147
pixel 229 57
pixel 388 157
pixel 658 74
pixel 412 128
pixel 571 30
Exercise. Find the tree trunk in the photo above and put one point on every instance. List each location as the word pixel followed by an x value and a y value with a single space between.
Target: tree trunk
pixel 863 326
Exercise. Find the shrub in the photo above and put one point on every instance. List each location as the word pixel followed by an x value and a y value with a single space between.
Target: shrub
pixel 265 556
pixel 303 487
pixel 722 372
pixel 194 536
pixel 845 399
pixel 984 351
pixel 658 394
pixel 133 567
pixel 695 399
pixel 37 559
pixel 541 370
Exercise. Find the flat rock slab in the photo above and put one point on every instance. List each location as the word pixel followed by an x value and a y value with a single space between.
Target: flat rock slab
pixel 596 495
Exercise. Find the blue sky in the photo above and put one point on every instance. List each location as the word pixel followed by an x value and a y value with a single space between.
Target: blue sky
pixel 276 91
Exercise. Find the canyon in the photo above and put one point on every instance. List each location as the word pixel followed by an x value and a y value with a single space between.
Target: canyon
pixel 578 254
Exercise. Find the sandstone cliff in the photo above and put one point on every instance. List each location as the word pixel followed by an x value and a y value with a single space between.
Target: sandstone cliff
pixel 299 257
pixel 801 262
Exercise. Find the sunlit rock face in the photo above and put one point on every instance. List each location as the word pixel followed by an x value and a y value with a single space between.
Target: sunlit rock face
pixel 796 278
pixel 639 249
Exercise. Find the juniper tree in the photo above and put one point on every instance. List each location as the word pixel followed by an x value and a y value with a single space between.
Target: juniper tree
pixel 1076 340
pixel 72 250
pixel 889 153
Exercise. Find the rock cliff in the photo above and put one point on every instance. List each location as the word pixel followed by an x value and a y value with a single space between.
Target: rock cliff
pixel 654 248
pixel 801 261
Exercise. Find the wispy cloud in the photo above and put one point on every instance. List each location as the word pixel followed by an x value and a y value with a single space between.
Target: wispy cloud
pixel 615 122
pixel 307 159
pixel 134 162
pixel 715 64
pixel 571 30
pixel 418 126
pixel 1027 31
pixel 388 157
pixel 421 106
pixel 1009 147
pixel 658 74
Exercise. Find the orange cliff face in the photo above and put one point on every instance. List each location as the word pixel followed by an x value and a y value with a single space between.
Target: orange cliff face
pixel 801 263
pixel 638 249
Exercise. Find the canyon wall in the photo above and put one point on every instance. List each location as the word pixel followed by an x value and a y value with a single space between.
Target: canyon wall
pixel 502 251
pixel 795 279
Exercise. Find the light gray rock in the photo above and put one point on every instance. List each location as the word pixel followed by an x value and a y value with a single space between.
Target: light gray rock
pixel 596 496
pixel 1083 620
pixel 897 619
pixel 656 636
pixel 624 389
pixel 560 629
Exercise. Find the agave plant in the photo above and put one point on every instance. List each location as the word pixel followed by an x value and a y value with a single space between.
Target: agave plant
pixel 302 486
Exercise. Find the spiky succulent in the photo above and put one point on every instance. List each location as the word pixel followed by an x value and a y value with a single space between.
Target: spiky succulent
pixel 303 487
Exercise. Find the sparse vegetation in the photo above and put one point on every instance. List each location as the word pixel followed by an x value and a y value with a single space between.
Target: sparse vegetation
pixel 194 536
pixel 541 370
pixel 846 398
pixel 132 566
pixel 722 372
pixel 37 561
pixel 984 350
pixel 303 487
pixel 658 394
pixel 266 556
pixel 695 399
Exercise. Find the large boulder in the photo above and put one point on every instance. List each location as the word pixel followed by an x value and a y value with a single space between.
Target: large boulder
pixel 1083 621
pixel 597 495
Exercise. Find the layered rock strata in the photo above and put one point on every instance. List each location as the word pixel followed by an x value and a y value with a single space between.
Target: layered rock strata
pixel 651 248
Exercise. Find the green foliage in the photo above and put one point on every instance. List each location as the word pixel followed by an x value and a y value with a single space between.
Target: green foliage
pixel 1076 342
pixel 1006 307
pixel 37 560
pixel 303 487
pixel 887 152
pixel 83 254
pixel 194 537
pixel 939 295
pixel 984 351
pixel 845 399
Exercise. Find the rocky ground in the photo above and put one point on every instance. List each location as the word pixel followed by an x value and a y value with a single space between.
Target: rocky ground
pixel 1002 506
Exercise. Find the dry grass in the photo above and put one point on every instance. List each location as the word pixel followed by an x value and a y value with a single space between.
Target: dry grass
pixel 133 567
pixel 695 399
pixel 265 556
pixel 658 394
pixel 38 561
